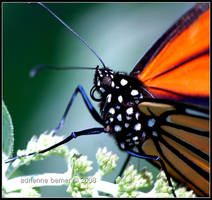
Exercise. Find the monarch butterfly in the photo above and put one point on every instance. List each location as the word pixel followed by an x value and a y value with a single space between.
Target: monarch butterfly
pixel 152 107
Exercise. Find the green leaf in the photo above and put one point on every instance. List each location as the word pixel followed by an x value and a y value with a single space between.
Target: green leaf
pixel 8 135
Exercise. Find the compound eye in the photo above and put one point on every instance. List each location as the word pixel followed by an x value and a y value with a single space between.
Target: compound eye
pixel 106 81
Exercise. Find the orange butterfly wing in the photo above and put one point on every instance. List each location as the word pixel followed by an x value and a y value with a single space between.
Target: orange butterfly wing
pixel 180 67
pixel 177 67
pixel 183 138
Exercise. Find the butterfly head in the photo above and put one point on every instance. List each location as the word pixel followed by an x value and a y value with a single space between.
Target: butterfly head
pixel 103 80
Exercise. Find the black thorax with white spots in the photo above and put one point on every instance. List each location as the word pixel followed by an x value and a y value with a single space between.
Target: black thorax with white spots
pixel 119 96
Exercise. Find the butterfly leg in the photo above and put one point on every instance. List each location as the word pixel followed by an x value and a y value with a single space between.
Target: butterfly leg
pixel 67 139
pixel 156 158
pixel 90 107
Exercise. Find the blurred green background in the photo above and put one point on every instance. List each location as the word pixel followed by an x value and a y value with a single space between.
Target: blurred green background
pixel 119 32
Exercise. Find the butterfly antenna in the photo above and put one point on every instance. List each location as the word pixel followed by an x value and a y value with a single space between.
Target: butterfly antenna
pixel 69 28
pixel 34 71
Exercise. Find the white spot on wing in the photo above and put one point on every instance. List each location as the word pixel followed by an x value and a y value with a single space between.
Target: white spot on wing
pixel 137 115
pixel 129 111
pixel 128 117
pixel 154 134
pixel 151 122
pixel 122 145
pixel 118 107
pixel 119 117
pixel 112 111
pixel 136 142
pixel 120 99
pixel 196 113
pixel 137 127
pixel 98 83
pixel 109 96
pixel 112 84
pixel 134 92
pixel 123 82
pixel 126 125
pixel 102 89
pixel 168 119
pixel 111 119
pixel 135 138
pixel 117 128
